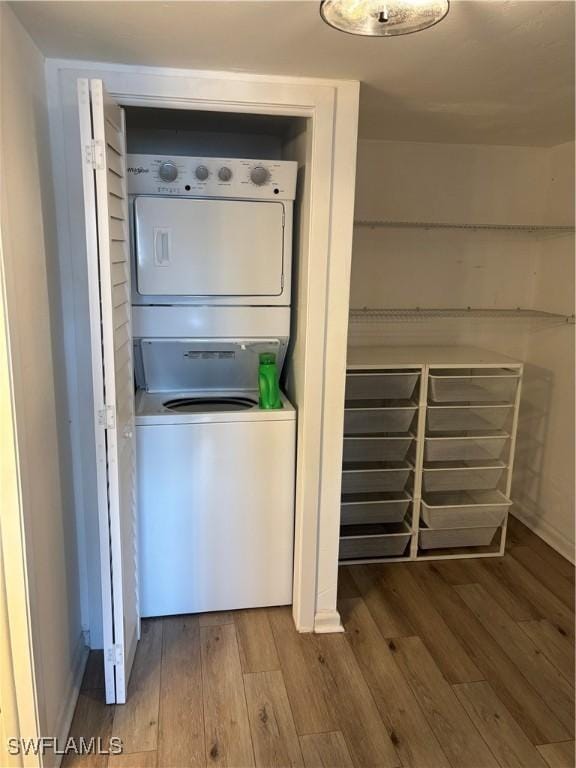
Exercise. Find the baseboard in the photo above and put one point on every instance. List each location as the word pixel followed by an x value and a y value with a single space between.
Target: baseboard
pixel 327 621
pixel 547 532
pixel 64 720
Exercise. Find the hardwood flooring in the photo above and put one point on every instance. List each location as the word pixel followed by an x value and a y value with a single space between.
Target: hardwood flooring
pixel 454 664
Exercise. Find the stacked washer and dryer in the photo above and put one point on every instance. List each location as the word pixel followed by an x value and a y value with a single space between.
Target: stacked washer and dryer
pixel 211 290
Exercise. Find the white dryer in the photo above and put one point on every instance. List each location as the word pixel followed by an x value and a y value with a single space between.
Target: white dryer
pixel 216 480
pixel 210 230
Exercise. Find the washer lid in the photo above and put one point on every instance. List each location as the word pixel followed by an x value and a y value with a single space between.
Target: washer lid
pixel 189 365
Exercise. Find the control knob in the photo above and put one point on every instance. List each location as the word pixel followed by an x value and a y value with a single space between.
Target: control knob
pixel 168 171
pixel 259 175
pixel 202 173
pixel 225 173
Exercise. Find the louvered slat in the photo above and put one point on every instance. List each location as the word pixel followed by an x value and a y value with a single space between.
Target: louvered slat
pixel 119 273
pixel 121 335
pixel 120 320
pixel 115 186
pixel 113 140
pixel 115 164
pixel 116 208
pixel 117 234
pixel 122 354
pixel 120 295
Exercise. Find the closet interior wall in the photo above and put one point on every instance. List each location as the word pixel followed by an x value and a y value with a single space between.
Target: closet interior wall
pixel 481 268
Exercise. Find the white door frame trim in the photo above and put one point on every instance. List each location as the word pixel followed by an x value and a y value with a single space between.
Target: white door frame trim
pixel 332 106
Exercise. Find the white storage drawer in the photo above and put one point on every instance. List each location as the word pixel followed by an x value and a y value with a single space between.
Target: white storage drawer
pixel 462 475
pixel 456 537
pixel 365 508
pixel 356 543
pixel 458 447
pixel 363 420
pixel 374 477
pixel 365 448
pixel 479 418
pixel 464 509
pixel 396 385
pixel 476 386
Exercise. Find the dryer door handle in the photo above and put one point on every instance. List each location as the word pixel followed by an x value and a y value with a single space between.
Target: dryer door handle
pixel 161 246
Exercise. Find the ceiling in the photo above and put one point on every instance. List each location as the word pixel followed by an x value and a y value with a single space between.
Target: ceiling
pixel 493 72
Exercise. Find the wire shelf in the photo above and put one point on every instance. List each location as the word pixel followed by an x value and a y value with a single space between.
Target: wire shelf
pixel 381 223
pixel 367 314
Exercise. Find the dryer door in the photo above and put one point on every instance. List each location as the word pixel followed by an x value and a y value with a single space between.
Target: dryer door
pixel 201 248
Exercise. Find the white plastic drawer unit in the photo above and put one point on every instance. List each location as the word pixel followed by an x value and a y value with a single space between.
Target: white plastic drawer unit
pixel 462 475
pixel 202 247
pixel 481 385
pixel 429 438
pixel 393 385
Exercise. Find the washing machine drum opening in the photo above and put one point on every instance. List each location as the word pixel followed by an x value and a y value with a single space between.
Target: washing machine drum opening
pixel 204 404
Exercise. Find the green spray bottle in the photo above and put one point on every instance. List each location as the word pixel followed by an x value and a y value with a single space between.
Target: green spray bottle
pixel 268 386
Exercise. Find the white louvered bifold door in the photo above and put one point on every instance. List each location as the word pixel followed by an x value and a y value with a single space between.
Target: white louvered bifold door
pixel 106 206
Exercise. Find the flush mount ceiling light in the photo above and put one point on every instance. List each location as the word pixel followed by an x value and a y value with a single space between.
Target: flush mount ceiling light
pixel 378 18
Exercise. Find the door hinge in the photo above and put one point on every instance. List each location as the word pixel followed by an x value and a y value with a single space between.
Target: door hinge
pixel 107 417
pixel 115 654
pixel 95 154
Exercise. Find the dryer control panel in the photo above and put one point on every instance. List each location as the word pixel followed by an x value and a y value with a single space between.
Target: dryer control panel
pixel 211 177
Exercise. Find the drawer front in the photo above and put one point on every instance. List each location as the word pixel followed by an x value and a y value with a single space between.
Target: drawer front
pixel 465 537
pixel 475 509
pixel 447 519
pixel 373 512
pixel 357 547
pixel 464 448
pixel 376 448
pixel 380 386
pixel 362 421
pixel 477 388
pixel 462 479
pixel 374 480
pixel 483 418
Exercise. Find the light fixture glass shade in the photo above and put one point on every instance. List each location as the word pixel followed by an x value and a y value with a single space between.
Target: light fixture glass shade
pixel 378 18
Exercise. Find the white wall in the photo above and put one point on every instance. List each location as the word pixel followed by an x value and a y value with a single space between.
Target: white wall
pixel 404 268
pixel 34 328
pixel 544 479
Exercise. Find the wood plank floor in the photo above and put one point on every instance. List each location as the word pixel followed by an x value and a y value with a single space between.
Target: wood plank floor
pixel 454 664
